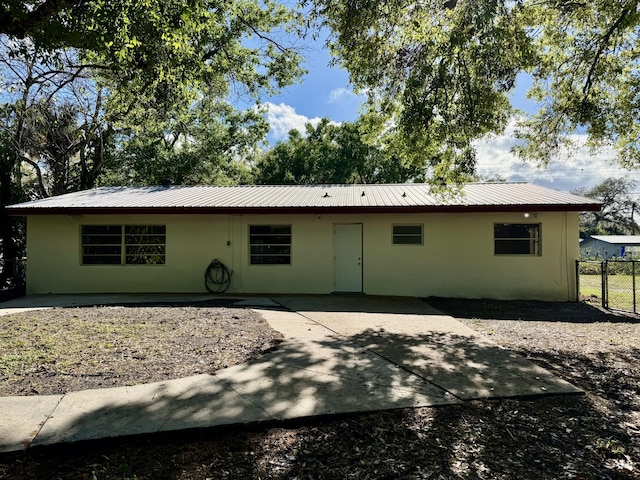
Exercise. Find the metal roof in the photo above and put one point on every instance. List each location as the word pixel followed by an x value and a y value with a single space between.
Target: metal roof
pixel 617 239
pixel 408 197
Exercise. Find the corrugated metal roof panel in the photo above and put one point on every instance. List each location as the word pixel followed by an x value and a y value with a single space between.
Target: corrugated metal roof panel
pixel 334 197
pixel 618 239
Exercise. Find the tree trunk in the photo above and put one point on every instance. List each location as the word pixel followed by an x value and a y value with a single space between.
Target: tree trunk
pixel 8 244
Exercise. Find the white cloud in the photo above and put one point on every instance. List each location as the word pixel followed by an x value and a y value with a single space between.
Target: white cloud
pixel 282 118
pixel 339 95
pixel 573 169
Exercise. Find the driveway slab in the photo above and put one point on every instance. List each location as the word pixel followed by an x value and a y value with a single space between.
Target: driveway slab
pixel 430 344
pixel 306 378
pixel 21 418
pixel 198 401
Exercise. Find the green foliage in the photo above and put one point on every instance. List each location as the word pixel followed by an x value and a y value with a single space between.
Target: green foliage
pixel 586 81
pixel 438 75
pixel 210 144
pixel 329 154
pixel 162 44
pixel 618 209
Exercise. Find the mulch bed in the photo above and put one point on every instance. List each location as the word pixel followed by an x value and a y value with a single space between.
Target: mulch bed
pixel 595 436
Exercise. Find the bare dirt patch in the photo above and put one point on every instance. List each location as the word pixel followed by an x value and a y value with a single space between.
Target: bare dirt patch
pixel 68 349
pixel 596 436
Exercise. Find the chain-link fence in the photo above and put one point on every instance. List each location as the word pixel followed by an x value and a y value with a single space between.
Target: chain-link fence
pixel 611 283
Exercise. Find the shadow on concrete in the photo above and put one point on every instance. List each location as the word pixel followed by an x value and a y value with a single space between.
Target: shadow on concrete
pixel 371 371
pixel 119 300
pixel 331 303
pixel 546 438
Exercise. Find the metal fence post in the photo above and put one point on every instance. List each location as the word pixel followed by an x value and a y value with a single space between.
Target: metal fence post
pixel 633 282
pixel 577 280
pixel 603 273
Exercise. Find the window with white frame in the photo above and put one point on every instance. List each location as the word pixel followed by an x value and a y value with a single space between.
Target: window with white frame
pixel 516 238
pixel 270 244
pixel 123 244
pixel 408 234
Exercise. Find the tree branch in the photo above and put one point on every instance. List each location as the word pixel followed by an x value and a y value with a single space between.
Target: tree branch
pixel 43 191
pixel 604 43
pixel 262 36
pixel 22 24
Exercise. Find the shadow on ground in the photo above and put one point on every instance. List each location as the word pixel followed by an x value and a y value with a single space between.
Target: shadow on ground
pixel 370 371
pixel 548 438
pixel 530 310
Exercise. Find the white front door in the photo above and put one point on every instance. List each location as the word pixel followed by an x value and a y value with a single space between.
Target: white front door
pixel 347 241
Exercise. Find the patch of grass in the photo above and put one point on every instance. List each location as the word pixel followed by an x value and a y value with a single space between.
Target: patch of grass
pixel 37 341
pixel 23 350
pixel 591 285
pixel 620 289
pixel 68 349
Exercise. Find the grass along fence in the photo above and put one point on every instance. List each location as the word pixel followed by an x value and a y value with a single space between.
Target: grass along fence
pixel 612 283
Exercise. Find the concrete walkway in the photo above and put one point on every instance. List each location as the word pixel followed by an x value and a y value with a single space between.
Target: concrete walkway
pixel 341 354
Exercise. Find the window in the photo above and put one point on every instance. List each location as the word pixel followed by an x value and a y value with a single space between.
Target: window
pixel 123 245
pixel 144 244
pixel 407 234
pixel 517 238
pixel 270 244
pixel 101 244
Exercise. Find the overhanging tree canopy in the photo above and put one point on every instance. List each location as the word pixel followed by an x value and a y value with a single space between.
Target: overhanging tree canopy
pixel 438 73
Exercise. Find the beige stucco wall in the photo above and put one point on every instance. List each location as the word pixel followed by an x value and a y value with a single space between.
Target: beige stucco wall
pixel 456 259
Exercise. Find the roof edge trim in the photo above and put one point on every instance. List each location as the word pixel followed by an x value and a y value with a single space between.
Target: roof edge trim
pixel 22 211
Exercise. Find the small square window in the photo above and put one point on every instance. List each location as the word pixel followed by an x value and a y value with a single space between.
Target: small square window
pixel 407 235
pixel 270 244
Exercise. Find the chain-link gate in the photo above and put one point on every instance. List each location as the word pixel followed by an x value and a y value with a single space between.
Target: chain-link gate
pixel 610 283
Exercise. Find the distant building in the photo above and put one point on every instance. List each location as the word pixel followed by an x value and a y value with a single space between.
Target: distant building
pixel 605 247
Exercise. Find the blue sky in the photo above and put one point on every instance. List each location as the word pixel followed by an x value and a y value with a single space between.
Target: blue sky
pixel 325 92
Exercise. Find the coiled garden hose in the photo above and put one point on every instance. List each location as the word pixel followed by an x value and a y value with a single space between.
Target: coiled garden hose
pixel 217 277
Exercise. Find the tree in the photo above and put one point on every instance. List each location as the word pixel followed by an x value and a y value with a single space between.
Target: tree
pixel 330 153
pixel 618 209
pixel 438 74
pixel 52 129
pixel 212 144
pixel 586 78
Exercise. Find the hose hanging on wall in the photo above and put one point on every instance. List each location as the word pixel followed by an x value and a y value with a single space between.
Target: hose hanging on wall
pixel 217 277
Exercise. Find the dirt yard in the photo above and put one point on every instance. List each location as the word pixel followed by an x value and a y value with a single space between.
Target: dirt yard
pixel 61 350
pixel 595 436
